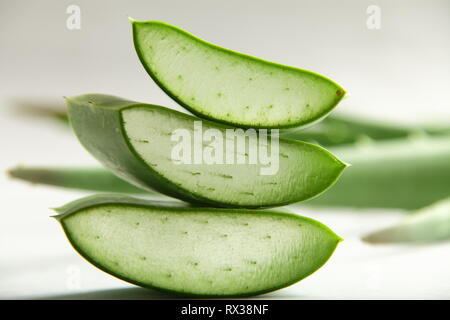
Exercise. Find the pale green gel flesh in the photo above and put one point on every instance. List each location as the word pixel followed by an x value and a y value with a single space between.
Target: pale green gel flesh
pixel 200 253
pixel 303 171
pixel 211 81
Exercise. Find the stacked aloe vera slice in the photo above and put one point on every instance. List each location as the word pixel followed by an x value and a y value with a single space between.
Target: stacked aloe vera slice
pixel 221 242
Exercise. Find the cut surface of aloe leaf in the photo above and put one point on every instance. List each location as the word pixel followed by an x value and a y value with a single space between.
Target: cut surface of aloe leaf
pixel 430 224
pixel 134 140
pixel 234 88
pixel 196 251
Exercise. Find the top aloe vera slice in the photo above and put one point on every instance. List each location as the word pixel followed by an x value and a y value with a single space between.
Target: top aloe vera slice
pixel 134 140
pixel 234 88
pixel 196 251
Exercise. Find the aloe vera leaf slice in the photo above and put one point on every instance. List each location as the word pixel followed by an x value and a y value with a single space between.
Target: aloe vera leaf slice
pixel 234 88
pixel 196 251
pixel 134 141
pixel 92 179
pixel 401 173
pixel 419 181
pixel 430 224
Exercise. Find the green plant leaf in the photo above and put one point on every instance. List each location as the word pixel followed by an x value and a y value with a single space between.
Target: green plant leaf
pixel 430 224
pixel 341 130
pixel 223 85
pixel 134 140
pixel 196 251
pixel 92 179
pixel 402 173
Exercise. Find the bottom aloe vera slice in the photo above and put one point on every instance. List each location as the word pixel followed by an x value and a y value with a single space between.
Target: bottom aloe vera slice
pixel 196 251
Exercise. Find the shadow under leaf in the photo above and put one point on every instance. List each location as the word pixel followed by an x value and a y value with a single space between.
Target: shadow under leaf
pixel 114 294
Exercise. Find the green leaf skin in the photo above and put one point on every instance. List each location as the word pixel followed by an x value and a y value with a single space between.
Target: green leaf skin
pixel 92 179
pixel 196 251
pixel 134 141
pixel 430 224
pixel 404 173
pixel 234 88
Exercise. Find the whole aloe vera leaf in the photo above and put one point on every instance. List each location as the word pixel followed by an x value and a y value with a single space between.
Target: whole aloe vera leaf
pixel 230 87
pixel 35 109
pixel 339 130
pixel 430 224
pixel 196 251
pixel 134 140
pixel 402 173
pixel 92 179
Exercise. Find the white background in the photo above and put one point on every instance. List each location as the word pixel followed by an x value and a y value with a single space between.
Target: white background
pixel 400 73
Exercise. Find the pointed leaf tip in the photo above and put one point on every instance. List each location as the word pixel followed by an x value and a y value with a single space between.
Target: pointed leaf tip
pixel 58 210
pixel 56 217
pixel 11 172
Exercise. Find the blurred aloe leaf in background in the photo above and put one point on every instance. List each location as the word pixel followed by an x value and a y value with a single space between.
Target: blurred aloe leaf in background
pixel 399 173
pixel 91 179
pixel 340 130
pixel 429 224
